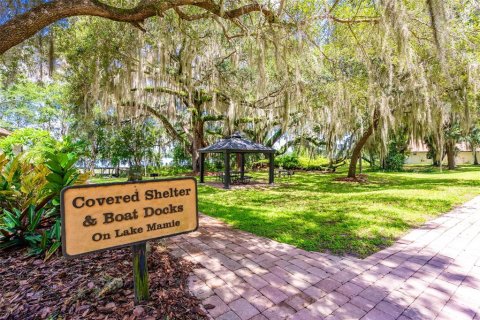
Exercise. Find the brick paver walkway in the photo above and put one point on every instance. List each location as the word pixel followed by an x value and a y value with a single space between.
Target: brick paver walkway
pixel 431 273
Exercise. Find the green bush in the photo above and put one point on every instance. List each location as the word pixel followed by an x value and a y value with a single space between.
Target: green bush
pixel 289 161
pixel 181 158
pixel 22 229
pixel 30 200
pixel 396 157
pixel 33 142
pixel 168 171
pixel 318 163
pixel 293 161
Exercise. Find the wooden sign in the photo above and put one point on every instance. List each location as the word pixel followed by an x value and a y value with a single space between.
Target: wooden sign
pixel 105 216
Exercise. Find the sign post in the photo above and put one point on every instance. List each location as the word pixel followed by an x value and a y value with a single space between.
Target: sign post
pixel 140 272
pixel 140 268
pixel 98 217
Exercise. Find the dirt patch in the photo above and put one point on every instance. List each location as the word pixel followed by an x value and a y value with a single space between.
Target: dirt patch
pixel 97 286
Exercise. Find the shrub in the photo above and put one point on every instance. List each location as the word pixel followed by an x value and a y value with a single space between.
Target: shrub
pixel 293 161
pixel 34 142
pixel 30 200
pixel 318 163
pixel 167 171
pixel 289 161
pixel 181 158
pixel 396 157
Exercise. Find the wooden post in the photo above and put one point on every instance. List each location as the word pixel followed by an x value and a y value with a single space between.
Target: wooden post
pixel 242 165
pixel 140 269
pixel 202 167
pixel 140 272
pixel 271 168
pixel 226 177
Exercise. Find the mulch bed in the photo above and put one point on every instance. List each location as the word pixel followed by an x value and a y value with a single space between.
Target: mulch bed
pixel 97 286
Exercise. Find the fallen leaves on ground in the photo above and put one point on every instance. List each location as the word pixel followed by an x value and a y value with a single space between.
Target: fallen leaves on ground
pixel 96 286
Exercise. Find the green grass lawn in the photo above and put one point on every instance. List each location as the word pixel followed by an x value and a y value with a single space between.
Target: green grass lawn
pixel 314 212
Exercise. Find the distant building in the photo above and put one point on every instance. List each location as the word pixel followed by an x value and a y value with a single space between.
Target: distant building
pixel 4 133
pixel 419 151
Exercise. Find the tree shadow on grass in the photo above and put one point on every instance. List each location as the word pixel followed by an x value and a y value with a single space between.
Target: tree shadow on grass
pixel 360 231
pixel 414 283
pixel 324 185
pixel 316 213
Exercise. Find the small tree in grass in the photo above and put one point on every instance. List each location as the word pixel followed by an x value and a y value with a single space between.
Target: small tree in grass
pixel 473 139
pixel 133 142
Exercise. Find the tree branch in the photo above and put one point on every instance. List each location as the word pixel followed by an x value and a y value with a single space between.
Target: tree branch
pixel 168 126
pixel 22 27
pixel 178 93
pixel 355 20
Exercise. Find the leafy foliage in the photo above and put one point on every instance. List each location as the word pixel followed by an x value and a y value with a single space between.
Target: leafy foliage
pixel 21 184
pixel 132 143
pixel 396 155
pixel 289 161
pixel 62 174
pixel 40 105
pixel 29 195
pixel 181 158
pixel 294 161
pixel 33 141
pixel 318 163
pixel 395 159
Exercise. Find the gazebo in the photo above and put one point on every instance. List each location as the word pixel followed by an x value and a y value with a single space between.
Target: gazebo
pixel 237 145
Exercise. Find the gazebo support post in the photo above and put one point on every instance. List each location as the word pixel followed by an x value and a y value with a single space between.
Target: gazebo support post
pixel 202 167
pixel 242 165
pixel 226 176
pixel 271 173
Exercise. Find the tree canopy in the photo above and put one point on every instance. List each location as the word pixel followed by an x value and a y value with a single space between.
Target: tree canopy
pixel 340 77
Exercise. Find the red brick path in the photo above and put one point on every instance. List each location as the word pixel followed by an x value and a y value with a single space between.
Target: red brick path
pixel 431 273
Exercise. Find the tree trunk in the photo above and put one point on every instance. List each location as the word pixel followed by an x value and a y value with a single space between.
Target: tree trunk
pixel 475 159
pixel 93 159
pixel 360 163
pixel 40 49
pixel 51 54
pixel 238 160
pixel 134 172
pixel 195 140
pixel 90 167
pixel 450 146
pixel 357 150
pixel 197 143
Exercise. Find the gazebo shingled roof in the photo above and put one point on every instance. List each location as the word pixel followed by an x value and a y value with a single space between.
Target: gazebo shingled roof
pixel 236 144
